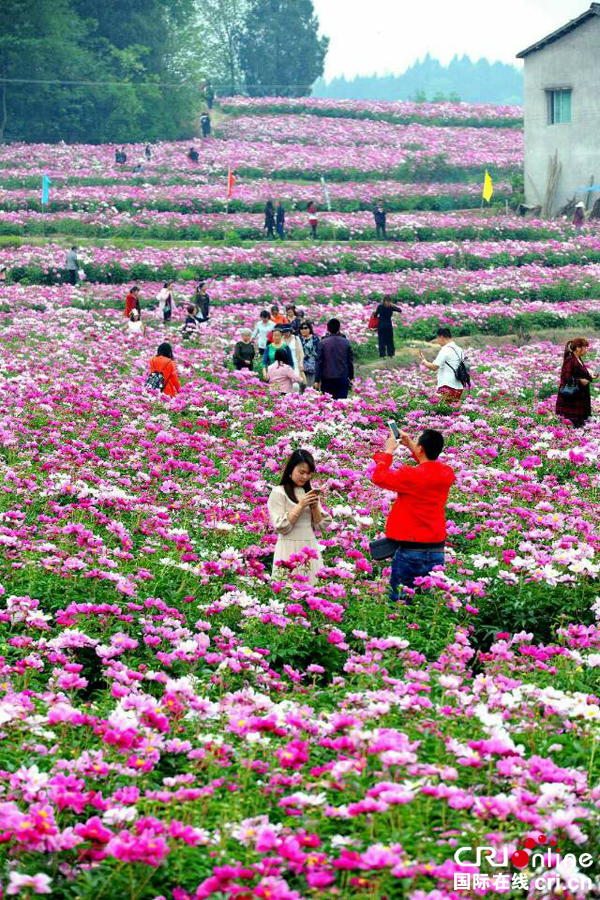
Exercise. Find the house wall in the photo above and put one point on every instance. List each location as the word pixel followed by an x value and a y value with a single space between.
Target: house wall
pixel 572 61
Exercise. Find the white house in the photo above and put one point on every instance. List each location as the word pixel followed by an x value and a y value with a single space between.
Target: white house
pixel 562 114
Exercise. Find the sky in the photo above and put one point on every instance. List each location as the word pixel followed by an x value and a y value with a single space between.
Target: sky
pixel 387 36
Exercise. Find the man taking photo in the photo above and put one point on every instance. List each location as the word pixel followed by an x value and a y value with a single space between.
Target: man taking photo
pixel 417 520
pixel 446 365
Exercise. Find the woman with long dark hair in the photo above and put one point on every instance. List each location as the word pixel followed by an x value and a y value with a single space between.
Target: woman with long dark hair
pixel 295 512
pixel 310 345
pixel 162 366
pixel 574 400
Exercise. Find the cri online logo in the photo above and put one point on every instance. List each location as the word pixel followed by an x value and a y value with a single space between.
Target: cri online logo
pixel 520 858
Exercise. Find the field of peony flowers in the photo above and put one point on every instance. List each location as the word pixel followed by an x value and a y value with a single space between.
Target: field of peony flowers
pixel 176 724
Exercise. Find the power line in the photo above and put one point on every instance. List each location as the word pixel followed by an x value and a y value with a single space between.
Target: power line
pixel 136 83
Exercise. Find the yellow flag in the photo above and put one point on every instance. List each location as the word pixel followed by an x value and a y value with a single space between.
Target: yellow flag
pixel 488 187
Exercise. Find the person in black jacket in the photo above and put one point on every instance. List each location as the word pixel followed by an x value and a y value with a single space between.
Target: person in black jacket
pixel 280 220
pixel 334 370
pixel 385 329
pixel 244 352
pixel 205 125
pixel 379 214
pixel 270 219
pixel 202 301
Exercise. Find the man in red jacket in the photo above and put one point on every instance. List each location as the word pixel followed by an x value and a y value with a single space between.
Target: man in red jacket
pixel 417 520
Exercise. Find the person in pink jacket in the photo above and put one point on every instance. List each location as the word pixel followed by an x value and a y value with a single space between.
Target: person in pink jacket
pixel 280 374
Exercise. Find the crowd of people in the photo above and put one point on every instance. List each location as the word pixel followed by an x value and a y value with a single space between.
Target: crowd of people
pixel 292 358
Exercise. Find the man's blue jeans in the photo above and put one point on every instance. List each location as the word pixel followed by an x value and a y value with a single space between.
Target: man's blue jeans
pixel 410 564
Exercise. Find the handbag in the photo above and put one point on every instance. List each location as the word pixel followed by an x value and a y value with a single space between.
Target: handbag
pixel 374 321
pixel 382 548
pixel 569 388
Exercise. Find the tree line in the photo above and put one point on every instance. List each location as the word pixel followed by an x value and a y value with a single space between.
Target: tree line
pixel 428 79
pixel 132 70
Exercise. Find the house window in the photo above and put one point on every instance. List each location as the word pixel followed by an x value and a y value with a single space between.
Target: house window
pixel 559 107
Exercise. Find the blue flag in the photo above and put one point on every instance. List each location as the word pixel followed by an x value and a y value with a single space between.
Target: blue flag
pixel 45 189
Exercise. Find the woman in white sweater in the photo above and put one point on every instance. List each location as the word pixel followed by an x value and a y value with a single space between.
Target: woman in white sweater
pixel 295 511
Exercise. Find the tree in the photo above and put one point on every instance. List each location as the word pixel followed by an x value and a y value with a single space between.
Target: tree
pixel 281 52
pixel 428 79
pixel 222 22
pixel 97 70
pixel 39 51
pixel 151 53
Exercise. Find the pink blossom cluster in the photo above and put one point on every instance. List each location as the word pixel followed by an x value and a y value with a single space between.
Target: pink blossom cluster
pixel 401 108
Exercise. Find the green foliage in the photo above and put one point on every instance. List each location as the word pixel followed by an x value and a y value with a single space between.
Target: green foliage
pixel 427 79
pixel 280 50
pixel 86 70
pixel 221 22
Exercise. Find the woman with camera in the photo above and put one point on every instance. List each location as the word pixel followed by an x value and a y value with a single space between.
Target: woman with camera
pixel 295 511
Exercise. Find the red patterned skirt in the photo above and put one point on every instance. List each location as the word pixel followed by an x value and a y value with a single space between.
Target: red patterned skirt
pixel 452 395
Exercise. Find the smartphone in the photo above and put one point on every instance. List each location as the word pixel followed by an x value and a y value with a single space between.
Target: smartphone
pixel 394 429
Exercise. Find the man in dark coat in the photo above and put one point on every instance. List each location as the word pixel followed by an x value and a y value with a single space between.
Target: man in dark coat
pixel 280 220
pixel 379 214
pixel 385 329
pixel 334 369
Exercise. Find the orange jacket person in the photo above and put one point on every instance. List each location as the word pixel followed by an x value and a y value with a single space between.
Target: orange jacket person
pixel 163 362
pixel 132 301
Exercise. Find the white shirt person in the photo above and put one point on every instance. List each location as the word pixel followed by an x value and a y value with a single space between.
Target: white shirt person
pixel 446 364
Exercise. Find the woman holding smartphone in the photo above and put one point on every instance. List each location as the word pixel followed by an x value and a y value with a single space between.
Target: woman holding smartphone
pixel 295 512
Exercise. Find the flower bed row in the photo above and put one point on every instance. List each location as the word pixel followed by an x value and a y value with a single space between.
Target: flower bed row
pixel 369 137
pixel 438 154
pixel 199 195
pixel 486 115
pixel 44 265
pixel 418 318
pixel 105 222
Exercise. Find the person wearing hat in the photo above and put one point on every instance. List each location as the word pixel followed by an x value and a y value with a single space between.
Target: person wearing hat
pixel 579 215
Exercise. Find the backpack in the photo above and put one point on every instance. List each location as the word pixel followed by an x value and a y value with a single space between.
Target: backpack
pixel 462 372
pixel 156 381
